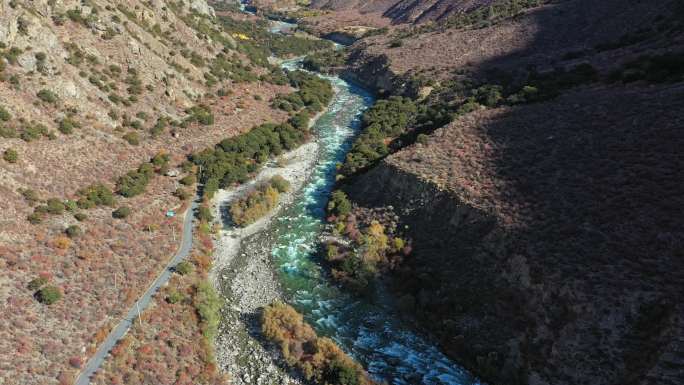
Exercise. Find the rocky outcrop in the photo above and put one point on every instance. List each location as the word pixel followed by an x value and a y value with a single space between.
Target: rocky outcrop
pixel 372 72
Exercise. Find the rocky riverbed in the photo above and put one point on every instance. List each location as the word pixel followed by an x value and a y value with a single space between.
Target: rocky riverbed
pixel 245 277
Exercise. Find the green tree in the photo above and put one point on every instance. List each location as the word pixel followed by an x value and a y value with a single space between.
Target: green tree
pixel 339 204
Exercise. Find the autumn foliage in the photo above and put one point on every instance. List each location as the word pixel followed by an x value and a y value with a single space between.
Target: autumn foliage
pixel 319 358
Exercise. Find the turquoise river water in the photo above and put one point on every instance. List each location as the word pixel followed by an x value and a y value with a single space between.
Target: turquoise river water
pixel 390 351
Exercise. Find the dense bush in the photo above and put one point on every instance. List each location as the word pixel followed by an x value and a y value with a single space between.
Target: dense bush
pixel 55 206
pixel 224 67
pixel 135 182
pixel 235 158
pixel 188 180
pixel 260 43
pixel 314 93
pixel 182 194
pixel 549 85
pixel 386 119
pixel 48 295
pixel 324 61
pixel 207 304
pixel 95 195
pixel 319 359
pixel 255 205
pixel 301 120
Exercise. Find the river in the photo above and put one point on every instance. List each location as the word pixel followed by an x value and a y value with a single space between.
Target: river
pixel 366 329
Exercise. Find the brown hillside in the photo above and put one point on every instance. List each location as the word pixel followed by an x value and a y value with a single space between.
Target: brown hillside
pixel 547 238
pixel 92 91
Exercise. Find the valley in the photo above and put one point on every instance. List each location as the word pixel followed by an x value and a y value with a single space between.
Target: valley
pixel 341 192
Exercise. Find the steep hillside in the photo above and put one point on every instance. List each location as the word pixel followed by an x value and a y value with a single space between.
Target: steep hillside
pixel 101 102
pixel 545 239
pixel 404 11
pixel 522 195
pixel 515 42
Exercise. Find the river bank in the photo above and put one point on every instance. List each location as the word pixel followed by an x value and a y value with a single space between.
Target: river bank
pixel 244 274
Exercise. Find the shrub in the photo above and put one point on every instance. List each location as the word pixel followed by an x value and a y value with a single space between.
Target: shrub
pixel 37 283
pixel 188 180
pixel 48 295
pixel 184 268
pixel 29 195
pixel 313 93
pixel 62 243
pixel 73 231
pixel 135 182
pixel 35 218
pixel 7 132
pixel 339 204
pixel 174 297
pixel 422 139
pixel 122 212
pixel 207 303
pixel 67 125
pixel 10 155
pixel 182 194
pixel 34 131
pixel 55 206
pixel 255 205
pixel 488 95
pixel 5 116
pixel 47 96
pixel 201 114
pixel 319 359
pixel 80 217
pixel 204 214
pixel 132 138
pixel 95 195
pixel 160 159
pixel 301 120
pixel 386 119
pixel 279 183
pixel 342 373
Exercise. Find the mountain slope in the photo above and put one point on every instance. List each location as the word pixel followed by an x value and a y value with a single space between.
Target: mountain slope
pixel 100 104
pixel 543 220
